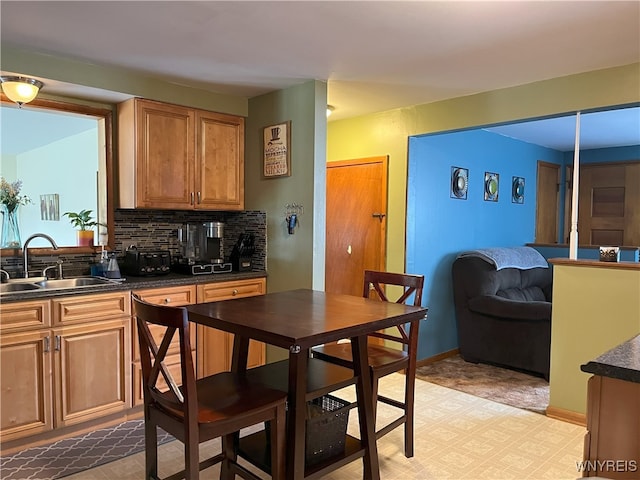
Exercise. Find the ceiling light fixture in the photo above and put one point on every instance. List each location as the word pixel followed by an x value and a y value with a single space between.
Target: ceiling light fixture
pixel 330 108
pixel 21 89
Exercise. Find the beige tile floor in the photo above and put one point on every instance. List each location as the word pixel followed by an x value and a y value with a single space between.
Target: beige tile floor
pixel 458 436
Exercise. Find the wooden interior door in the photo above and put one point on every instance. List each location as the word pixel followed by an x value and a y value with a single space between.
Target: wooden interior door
pixel 607 204
pixel 547 203
pixel 356 222
pixel 608 196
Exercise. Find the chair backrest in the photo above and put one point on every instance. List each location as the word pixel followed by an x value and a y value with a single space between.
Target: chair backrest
pixel 375 281
pixel 179 399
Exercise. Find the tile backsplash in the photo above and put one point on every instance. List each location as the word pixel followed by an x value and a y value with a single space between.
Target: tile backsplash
pixel 156 230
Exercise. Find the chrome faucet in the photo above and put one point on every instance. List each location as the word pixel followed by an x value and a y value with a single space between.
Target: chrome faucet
pixel 25 257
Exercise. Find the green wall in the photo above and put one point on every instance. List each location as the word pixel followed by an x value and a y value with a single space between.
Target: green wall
pixel 290 260
pixel 387 133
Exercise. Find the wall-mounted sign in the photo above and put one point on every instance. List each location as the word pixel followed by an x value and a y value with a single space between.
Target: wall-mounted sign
pixel 277 150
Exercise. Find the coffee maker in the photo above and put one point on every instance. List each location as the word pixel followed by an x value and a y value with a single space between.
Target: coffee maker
pixel 201 249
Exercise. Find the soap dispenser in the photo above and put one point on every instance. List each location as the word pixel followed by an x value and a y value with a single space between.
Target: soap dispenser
pixel 113 270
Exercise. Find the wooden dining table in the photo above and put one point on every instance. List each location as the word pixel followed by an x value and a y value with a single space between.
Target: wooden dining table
pixel 298 320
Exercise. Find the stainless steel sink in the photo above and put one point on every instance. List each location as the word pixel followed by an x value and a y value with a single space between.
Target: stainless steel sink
pixel 17 287
pixel 74 282
pixel 39 283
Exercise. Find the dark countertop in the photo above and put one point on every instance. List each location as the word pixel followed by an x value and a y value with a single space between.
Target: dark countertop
pixel 621 362
pixel 133 283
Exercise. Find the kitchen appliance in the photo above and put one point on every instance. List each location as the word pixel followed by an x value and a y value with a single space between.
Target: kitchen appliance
pixel 146 263
pixel 242 252
pixel 201 251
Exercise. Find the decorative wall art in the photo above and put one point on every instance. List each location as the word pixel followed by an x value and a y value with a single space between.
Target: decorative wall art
pixel 277 150
pixel 50 207
pixel 517 189
pixel 459 182
pixel 491 186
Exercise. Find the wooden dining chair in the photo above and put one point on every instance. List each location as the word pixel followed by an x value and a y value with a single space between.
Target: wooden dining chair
pixel 199 410
pixel 383 359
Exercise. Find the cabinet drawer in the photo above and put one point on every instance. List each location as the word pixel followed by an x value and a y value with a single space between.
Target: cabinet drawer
pixel 227 290
pixel 87 308
pixel 172 296
pixel 25 315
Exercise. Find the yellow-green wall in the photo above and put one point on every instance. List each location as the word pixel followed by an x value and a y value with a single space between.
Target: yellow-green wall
pixel 595 308
pixel 387 133
pixel 111 79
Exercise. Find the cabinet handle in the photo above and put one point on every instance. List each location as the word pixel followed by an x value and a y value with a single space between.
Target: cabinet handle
pixel 199 198
pixel 192 198
pixel 235 292
pixel 47 344
pixel 167 300
pixel 57 347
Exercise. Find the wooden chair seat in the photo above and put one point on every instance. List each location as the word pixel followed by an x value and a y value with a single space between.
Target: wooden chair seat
pixel 385 360
pixel 225 396
pixel 195 411
pixel 381 358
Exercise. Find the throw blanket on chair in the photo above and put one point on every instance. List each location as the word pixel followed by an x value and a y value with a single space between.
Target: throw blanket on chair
pixel 523 258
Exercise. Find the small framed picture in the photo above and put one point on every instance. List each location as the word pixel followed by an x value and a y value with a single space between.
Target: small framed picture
pixel 459 182
pixel 50 207
pixel 277 150
pixel 517 189
pixel 491 186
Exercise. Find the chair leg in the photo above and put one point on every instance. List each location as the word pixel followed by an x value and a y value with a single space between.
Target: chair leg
pixel 150 449
pixel 229 455
pixel 191 455
pixel 278 452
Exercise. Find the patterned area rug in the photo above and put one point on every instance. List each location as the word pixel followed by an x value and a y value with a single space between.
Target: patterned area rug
pixel 486 381
pixel 72 455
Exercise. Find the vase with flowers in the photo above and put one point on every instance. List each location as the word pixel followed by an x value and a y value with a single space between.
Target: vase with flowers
pixel 10 200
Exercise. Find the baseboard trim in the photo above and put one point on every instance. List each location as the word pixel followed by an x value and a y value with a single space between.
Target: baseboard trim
pixel 438 357
pixel 567 416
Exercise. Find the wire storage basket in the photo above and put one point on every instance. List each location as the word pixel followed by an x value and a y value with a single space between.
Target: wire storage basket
pixel 326 432
pixel 327 418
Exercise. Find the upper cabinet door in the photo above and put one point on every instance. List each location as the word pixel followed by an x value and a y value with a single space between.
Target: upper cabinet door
pixel 156 155
pixel 219 162
pixel 165 152
pixel 179 158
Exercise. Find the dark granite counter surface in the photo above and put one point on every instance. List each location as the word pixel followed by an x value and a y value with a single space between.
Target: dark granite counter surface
pixel 132 283
pixel 621 362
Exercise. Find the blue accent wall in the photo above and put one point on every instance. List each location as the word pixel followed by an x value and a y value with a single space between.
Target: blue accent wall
pixel 439 227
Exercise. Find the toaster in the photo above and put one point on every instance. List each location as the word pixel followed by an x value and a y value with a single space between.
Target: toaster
pixel 140 263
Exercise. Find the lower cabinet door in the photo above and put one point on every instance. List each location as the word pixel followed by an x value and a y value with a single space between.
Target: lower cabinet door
pixel 25 385
pixel 215 347
pixel 92 370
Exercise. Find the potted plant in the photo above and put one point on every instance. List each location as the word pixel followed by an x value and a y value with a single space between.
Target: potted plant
pixel 84 222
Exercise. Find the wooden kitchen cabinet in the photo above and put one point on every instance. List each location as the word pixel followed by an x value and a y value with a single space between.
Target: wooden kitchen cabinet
pixel 215 347
pixel 170 296
pixel 25 384
pixel 179 158
pixel 64 362
pixel 612 441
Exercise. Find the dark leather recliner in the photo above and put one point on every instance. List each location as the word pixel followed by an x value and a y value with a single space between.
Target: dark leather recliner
pixel 503 316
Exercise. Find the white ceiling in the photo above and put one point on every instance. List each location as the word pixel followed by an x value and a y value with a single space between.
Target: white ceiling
pixel 374 55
